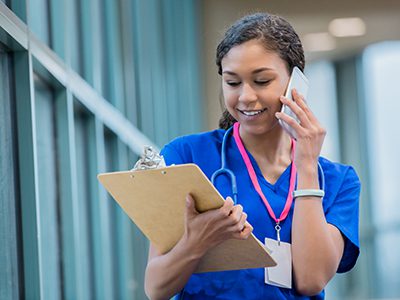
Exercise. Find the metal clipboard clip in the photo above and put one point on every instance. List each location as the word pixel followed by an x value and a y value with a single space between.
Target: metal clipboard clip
pixel 150 159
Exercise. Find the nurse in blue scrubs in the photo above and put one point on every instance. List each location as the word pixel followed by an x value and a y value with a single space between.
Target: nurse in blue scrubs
pixel 315 231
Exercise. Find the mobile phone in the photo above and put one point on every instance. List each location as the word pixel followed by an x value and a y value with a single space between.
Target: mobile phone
pixel 300 82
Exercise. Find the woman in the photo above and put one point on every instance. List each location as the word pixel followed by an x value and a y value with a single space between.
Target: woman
pixel 255 59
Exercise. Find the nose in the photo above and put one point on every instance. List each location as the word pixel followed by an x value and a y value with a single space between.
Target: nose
pixel 247 94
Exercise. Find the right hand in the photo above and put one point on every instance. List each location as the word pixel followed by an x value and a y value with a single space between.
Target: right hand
pixel 208 229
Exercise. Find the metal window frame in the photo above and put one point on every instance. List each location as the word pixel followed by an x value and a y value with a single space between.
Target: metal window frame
pixel 15 34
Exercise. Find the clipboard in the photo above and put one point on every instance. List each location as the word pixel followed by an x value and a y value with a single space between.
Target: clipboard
pixel 154 199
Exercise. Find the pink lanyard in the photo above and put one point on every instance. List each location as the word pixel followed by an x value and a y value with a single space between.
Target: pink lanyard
pixel 256 184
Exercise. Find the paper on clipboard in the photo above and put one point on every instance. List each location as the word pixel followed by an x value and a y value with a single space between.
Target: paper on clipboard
pixel 155 201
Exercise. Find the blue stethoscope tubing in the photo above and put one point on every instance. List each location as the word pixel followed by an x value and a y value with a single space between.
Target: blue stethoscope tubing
pixel 225 171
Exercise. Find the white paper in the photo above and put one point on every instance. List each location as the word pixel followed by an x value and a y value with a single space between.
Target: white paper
pixel 281 274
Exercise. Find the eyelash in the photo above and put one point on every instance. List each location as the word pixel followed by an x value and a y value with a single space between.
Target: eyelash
pixel 236 83
pixel 262 82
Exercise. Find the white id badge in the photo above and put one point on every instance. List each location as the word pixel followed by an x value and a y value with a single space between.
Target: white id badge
pixel 280 275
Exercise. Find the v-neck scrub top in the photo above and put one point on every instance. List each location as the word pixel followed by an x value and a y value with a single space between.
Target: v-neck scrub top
pixel 340 204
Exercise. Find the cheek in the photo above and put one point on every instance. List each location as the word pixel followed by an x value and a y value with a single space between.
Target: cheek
pixel 275 92
pixel 228 96
pixel 278 89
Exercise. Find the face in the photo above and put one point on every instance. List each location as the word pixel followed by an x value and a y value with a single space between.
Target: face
pixel 253 79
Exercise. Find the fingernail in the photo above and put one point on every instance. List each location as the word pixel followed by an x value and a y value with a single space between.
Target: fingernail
pixel 277 115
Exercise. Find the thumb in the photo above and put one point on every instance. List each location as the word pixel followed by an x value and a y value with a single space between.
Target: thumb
pixel 190 207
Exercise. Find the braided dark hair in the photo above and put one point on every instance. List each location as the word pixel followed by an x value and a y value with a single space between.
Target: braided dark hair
pixel 274 32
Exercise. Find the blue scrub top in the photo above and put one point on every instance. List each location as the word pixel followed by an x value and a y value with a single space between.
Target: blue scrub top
pixel 342 189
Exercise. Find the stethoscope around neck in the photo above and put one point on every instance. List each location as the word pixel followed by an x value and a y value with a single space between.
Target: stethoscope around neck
pixel 224 170
pixel 229 173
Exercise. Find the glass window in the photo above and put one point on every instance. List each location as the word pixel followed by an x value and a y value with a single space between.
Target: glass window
pixel 120 258
pixel 112 77
pixel 39 20
pixel 382 70
pixel 58 26
pixel 73 35
pixel 96 208
pixel 91 38
pixel 388 264
pixel 86 273
pixel 9 260
pixel 381 64
pixel 129 252
pixel 48 201
pixel 322 100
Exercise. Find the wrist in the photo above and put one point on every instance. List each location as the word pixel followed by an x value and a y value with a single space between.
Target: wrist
pixel 191 248
pixel 307 177
pixel 307 166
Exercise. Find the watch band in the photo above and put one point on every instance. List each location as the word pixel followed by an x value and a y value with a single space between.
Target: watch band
pixel 308 193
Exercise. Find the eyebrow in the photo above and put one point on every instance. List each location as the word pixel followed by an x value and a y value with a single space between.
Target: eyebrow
pixel 259 70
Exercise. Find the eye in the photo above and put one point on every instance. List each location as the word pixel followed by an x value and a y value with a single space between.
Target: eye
pixel 262 82
pixel 232 83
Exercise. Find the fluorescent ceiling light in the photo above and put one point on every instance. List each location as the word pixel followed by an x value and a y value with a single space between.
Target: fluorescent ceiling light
pixel 320 41
pixel 345 27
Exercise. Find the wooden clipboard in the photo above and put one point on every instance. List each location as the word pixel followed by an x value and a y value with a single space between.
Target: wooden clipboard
pixel 155 201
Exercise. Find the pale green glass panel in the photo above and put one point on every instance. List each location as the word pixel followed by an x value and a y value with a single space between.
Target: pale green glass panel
pixel 112 74
pixel 73 50
pixel 58 26
pixel 382 70
pixel 381 65
pixel 91 37
pixel 49 250
pixel 85 244
pixel 38 20
pixel 388 265
pixel 9 217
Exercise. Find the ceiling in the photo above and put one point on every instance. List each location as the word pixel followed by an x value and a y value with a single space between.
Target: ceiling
pixel 382 19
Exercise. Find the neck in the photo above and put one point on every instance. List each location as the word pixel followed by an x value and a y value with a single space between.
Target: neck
pixel 272 147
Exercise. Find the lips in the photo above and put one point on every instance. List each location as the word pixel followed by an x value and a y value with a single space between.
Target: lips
pixel 251 113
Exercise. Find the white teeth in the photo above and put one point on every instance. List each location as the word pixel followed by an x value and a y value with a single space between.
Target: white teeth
pixel 252 113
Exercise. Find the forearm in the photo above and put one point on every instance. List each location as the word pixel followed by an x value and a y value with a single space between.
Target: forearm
pixel 315 255
pixel 167 274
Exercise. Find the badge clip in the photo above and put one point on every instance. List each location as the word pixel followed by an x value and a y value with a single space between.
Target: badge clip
pixel 150 159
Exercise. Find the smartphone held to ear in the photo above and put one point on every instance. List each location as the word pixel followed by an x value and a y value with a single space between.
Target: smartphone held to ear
pixel 299 82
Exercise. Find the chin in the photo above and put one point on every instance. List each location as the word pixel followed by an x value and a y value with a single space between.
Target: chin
pixel 257 129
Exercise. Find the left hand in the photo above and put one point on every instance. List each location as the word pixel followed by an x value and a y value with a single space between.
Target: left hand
pixel 309 133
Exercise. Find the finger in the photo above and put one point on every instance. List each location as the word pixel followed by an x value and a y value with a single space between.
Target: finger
pixel 299 130
pixel 245 233
pixel 226 209
pixel 304 121
pixel 301 102
pixel 236 213
pixel 238 226
pixel 242 221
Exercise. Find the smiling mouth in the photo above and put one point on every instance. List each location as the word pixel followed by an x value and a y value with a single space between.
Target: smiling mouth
pixel 251 113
